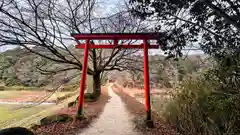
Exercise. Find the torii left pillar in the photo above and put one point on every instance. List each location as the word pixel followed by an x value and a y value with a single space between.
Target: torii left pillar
pixel 149 121
pixel 83 80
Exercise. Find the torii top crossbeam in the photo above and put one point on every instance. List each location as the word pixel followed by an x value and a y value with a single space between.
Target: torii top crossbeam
pixel 112 36
pixel 115 37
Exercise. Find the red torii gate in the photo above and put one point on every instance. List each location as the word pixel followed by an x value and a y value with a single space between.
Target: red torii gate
pixel 115 37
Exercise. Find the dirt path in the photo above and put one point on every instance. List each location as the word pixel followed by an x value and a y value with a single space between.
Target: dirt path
pixel 115 119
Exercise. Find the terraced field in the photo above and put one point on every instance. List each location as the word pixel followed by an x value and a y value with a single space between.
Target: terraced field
pixel 13 113
pixel 17 105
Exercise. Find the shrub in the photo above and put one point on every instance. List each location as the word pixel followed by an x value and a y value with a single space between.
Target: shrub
pixel 89 97
pixel 2 88
pixel 207 105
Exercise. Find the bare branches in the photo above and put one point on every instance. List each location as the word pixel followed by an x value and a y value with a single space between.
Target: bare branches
pixel 117 58
pixel 42 27
pixel 47 72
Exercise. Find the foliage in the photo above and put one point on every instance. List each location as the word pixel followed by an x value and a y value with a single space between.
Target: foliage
pixel 163 78
pixel 21 87
pixel 166 72
pixel 7 71
pixel 208 105
pixel 181 72
pixel 214 24
pixel 17 68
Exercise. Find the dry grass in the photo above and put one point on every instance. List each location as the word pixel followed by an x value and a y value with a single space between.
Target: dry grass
pixel 138 110
pixel 159 97
pixel 92 110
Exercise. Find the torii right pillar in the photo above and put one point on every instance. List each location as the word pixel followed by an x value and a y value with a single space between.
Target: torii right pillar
pixel 149 121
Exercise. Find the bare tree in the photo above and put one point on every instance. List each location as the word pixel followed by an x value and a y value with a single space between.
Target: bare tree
pixel 43 27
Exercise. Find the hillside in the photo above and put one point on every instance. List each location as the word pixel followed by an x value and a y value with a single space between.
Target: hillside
pixel 163 73
pixel 19 67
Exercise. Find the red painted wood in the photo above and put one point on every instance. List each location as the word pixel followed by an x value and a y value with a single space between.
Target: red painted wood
pixel 84 74
pixel 107 46
pixel 146 80
pixel 115 42
pixel 112 36
pixel 116 37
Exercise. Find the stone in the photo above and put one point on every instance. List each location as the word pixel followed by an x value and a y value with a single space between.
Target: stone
pixel 55 118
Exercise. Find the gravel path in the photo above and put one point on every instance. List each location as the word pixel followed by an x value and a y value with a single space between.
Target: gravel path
pixel 114 120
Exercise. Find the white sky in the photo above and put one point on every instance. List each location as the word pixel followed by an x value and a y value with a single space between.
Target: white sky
pixel 110 7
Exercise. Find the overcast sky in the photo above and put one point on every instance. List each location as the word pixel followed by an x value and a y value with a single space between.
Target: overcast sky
pixel 108 7
pixel 112 6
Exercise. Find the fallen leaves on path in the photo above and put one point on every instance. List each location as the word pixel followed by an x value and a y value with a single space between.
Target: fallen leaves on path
pixel 138 110
pixel 92 110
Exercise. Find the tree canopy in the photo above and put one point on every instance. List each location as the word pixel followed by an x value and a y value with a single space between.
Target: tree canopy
pixel 214 25
pixel 43 27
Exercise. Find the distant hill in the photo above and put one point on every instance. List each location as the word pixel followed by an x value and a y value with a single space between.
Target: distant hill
pixel 19 67
pixel 163 73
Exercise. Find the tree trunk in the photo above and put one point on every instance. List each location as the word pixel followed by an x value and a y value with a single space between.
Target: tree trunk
pixel 97 84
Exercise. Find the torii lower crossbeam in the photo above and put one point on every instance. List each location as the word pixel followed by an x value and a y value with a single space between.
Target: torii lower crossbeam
pixel 115 37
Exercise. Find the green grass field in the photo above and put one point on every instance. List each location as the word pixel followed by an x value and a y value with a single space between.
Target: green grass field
pixel 12 113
